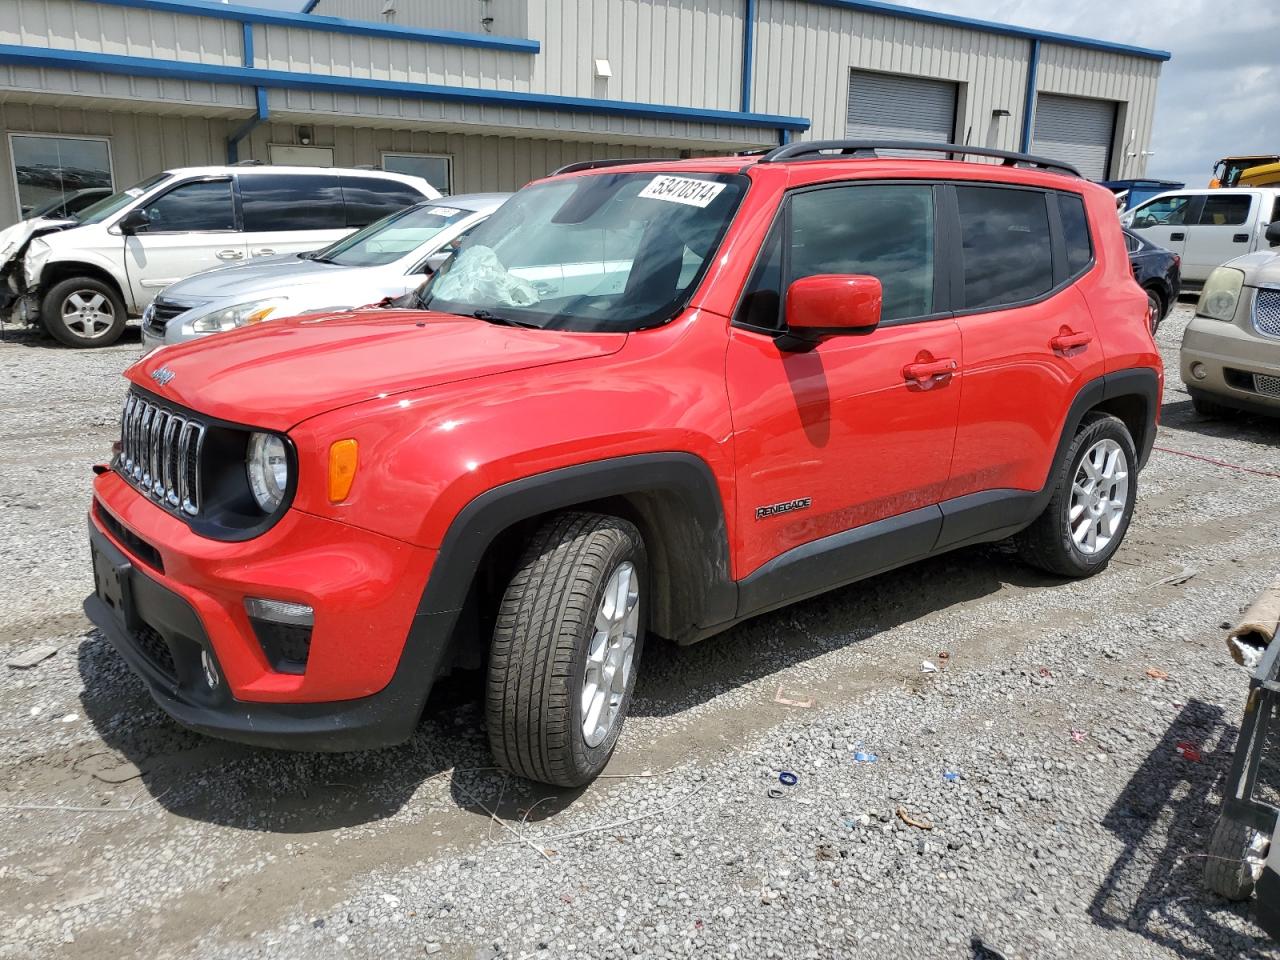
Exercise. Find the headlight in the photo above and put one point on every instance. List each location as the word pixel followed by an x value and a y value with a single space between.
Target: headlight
pixel 267 466
pixel 1220 294
pixel 242 314
pixel 37 253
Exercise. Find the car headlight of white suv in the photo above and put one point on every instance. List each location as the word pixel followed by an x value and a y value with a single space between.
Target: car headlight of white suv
pixel 239 315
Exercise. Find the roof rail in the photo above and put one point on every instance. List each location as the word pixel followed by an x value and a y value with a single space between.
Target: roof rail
pixel 248 163
pixel 596 164
pixel 812 150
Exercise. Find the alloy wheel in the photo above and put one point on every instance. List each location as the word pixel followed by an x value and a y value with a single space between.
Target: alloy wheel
pixel 88 314
pixel 611 653
pixel 1098 497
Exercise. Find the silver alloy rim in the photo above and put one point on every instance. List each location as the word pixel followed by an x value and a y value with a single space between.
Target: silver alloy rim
pixel 611 654
pixel 1098 497
pixel 88 313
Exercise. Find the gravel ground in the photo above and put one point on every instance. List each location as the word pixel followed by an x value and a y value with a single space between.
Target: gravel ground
pixel 1027 796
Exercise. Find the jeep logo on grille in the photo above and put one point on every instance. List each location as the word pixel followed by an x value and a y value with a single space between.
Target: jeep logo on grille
pixel 162 376
pixel 803 503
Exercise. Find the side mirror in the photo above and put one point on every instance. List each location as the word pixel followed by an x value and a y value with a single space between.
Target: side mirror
pixel 135 221
pixel 830 304
pixel 1273 234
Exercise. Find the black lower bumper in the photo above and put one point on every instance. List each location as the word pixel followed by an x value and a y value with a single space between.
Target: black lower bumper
pixel 162 639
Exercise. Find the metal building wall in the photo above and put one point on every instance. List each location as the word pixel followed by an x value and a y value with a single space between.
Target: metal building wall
pixel 1130 81
pixel 510 17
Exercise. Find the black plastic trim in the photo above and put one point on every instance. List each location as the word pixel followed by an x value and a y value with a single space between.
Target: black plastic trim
pixel 809 150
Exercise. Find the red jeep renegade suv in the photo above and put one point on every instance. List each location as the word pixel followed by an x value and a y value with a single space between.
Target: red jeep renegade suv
pixel 644 397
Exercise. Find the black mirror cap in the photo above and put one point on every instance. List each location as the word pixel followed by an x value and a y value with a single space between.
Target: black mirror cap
pixel 134 221
pixel 1273 233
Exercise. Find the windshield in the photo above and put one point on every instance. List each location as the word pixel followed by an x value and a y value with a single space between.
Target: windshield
pixel 387 240
pixel 602 252
pixel 96 213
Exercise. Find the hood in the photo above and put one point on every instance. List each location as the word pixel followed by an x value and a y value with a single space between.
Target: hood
pixel 277 374
pixel 264 277
pixel 1262 266
pixel 14 239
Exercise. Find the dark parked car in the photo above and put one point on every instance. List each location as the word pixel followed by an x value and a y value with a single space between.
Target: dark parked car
pixel 1158 271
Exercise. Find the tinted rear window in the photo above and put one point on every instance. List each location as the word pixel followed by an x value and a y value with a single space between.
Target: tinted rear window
pixel 369 199
pixel 274 202
pixel 1007 254
pixel 1228 211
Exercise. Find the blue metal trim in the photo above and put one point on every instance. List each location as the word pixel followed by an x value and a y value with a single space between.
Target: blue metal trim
pixel 246 48
pixel 282 79
pixel 748 53
pixel 260 98
pixel 784 137
pixel 988 26
pixel 1029 98
pixel 308 21
pixel 309 6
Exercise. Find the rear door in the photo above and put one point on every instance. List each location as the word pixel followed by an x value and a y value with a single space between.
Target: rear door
pixel 1029 338
pixel 291 212
pixel 191 227
pixel 1224 228
pixel 1164 220
pixel 841 435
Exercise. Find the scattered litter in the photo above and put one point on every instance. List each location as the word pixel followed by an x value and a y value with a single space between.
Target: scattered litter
pixel 1155 673
pixel 807 702
pixel 74 904
pixel 432 947
pixel 1045 672
pixel 943 657
pixel 1248 640
pixel 825 852
pixel 34 711
pixel 391 901
pixel 70 718
pixel 861 756
pixel 28 658
pixel 1078 736
pixel 120 773
pixel 775 793
pixel 1188 751
pixel 1177 579
pixel 951 777
pixel 697 924
pixel 1218 463
pixel 911 821
pixel 807 801
pixel 928 666
pixel 788 779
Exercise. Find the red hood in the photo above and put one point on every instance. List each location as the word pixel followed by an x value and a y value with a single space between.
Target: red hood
pixel 280 373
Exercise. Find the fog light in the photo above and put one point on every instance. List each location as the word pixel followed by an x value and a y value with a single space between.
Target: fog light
pixel 283 630
pixel 211 676
pixel 1198 371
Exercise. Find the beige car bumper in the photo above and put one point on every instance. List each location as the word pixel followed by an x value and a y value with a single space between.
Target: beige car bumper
pixel 1236 367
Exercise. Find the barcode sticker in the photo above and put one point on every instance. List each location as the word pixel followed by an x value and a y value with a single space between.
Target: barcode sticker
pixel 686 190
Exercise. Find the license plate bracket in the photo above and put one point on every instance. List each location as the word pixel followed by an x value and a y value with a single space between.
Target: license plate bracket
pixel 112 583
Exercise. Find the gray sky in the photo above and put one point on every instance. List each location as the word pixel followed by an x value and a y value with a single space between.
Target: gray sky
pixel 1220 94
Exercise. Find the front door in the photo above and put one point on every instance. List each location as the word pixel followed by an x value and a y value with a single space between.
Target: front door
pixel 190 228
pixel 1163 221
pixel 859 428
pixel 1223 230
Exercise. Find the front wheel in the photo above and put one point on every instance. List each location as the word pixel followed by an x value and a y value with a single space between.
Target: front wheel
pixel 563 660
pixel 83 312
pixel 1095 485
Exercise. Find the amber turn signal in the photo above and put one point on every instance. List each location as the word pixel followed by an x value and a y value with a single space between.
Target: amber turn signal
pixel 342 469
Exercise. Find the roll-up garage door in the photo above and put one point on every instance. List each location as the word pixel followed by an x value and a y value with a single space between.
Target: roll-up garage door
pixel 1076 130
pixel 886 106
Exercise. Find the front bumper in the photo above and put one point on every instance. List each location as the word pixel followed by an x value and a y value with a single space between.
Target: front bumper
pixel 373 655
pixel 1221 359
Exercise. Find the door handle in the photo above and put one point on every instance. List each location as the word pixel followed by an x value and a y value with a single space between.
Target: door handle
pixel 1240 238
pixel 1177 236
pixel 229 255
pixel 1069 341
pixel 264 252
pixel 922 371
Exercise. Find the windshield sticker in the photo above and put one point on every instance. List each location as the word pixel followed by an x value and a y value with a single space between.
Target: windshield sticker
pixel 134 192
pixel 693 193
pixel 445 211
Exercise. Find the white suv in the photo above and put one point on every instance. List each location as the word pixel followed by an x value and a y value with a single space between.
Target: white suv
pixel 82 279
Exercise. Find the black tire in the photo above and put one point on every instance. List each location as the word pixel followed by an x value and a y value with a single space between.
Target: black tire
pixel 538 658
pixel 1227 872
pixel 69 323
pixel 1206 407
pixel 1048 543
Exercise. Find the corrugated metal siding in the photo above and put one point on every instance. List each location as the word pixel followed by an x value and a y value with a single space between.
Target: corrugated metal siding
pixel 510 17
pixel 141 143
pixel 889 106
pixel 97 28
pixel 804 52
pixel 205 98
pixel 1130 81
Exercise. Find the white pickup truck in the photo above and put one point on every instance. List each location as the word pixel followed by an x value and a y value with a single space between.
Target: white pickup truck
pixel 1207 227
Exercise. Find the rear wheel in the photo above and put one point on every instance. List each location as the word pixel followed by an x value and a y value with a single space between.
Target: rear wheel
pixel 83 312
pixel 1088 515
pixel 1234 863
pixel 563 661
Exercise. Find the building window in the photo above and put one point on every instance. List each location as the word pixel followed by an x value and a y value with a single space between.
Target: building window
pixel 436 169
pixel 287 155
pixel 52 172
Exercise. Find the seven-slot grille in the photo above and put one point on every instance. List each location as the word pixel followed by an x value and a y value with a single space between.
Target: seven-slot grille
pixel 1266 312
pixel 160 454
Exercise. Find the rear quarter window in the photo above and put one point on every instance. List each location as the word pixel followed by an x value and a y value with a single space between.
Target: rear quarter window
pixel 1075 233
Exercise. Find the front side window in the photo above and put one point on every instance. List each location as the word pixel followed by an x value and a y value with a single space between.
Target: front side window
pixel 392 237
pixel 54 169
pixel 1225 211
pixel 273 202
pixel 602 252
pixel 371 198
pixel 200 207
pixel 1162 212
pixel 1005 246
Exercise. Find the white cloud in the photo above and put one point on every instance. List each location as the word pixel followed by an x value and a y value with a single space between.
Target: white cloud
pixel 1219 95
